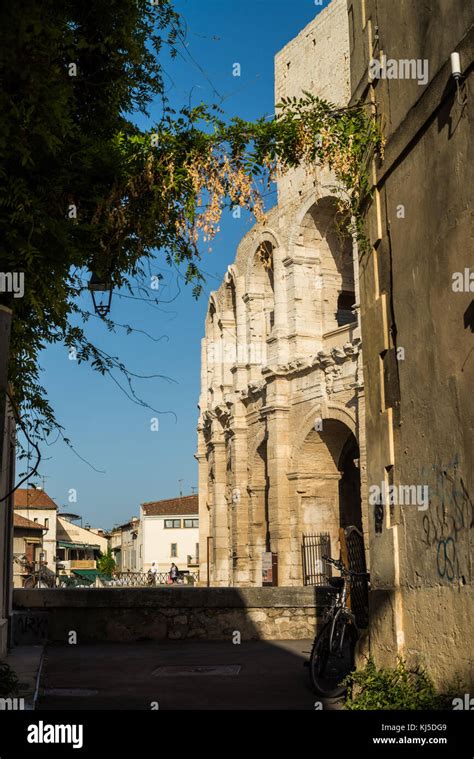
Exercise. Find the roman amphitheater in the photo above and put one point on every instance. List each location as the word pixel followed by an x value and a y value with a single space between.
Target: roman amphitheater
pixel 280 444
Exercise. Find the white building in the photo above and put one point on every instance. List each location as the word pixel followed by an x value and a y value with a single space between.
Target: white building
pixel 36 505
pixel 170 533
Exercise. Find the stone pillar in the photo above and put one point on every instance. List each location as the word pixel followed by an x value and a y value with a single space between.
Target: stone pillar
pixel 221 548
pixel 256 336
pixel 278 455
pixel 204 526
pixel 240 368
pixel 257 495
pixel 240 498
pixel 277 350
pixel 305 318
pixel 227 353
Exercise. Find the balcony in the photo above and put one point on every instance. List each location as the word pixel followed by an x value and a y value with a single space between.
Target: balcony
pixel 81 564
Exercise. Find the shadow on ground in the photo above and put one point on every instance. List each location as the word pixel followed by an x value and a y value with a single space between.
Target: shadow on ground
pixel 178 675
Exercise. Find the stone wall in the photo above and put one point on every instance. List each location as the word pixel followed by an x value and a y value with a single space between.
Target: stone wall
pixel 133 614
pixel 417 334
pixel 316 60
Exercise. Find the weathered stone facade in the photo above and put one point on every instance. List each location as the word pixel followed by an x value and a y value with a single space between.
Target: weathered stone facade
pixel 417 335
pixel 281 447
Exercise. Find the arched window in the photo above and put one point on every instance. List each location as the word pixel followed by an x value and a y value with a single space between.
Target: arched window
pixel 334 289
pixel 345 304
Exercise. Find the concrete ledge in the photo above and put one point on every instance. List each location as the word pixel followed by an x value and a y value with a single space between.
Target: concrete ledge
pixel 172 597
pixel 133 614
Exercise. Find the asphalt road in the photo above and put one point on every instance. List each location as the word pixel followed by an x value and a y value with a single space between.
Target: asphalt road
pixel 178 675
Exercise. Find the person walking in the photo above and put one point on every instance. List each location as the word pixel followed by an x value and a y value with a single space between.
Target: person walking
pixel 152 572
pixel 174 573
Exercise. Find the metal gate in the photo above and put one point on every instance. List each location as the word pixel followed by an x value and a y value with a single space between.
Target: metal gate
pixel 353 556
pixel 315 569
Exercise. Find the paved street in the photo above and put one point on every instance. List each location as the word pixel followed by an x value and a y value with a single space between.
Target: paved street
pixel 178 675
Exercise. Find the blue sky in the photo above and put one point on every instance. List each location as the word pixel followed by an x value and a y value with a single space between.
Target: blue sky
pixel 114 435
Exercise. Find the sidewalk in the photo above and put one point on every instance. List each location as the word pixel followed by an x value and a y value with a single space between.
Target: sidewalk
pixel 26 661
pixel 178 675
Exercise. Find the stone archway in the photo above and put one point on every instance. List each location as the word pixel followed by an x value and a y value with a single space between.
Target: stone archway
pixel 327 482
pixel 350 506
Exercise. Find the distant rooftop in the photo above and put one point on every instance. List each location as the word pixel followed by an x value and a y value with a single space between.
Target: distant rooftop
pixel 33 498
pixel 23 522
pixel 186 504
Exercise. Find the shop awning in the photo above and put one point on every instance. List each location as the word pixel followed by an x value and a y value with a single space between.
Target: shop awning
pixel 87 574
pixel 65 544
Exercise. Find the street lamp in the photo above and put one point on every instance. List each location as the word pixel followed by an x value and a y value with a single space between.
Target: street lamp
pixel 98 285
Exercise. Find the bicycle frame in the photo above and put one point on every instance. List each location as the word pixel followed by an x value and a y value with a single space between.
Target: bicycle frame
pixel 339 614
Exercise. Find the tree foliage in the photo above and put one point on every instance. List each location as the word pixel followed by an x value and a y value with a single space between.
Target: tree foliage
pixel 84 189
pixel 106 563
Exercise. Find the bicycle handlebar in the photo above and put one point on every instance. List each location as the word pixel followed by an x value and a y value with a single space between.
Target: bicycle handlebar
pixel 342 568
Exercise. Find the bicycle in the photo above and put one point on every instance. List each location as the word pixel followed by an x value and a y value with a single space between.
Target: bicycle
pixel 332 656
pixel 39 578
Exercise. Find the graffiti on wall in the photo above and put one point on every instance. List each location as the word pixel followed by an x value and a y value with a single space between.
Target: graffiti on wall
pixel 450 517
pixel 29 627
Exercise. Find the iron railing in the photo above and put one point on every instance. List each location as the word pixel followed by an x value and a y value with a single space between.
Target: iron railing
pixel 146 579
pixel 316 571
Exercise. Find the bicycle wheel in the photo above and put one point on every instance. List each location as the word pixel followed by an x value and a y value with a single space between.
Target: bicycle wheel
pixel 326 668
pixel 30 582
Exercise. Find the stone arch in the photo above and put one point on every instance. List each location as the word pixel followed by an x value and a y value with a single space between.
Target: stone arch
pixel 316 236
pixel 320 411
pixel 325 475
pixel 269 236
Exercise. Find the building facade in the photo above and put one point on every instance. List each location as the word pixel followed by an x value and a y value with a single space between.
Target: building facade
pixel 35 505
pixel 417 317
pixel 281 446
pixel 77 547
pixel 128 551
pixel 27 548
pixel 170 533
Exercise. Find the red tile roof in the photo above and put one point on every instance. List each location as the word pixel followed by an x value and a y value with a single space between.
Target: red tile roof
pixel 30 498
pixel 186 504
pixel 22 522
